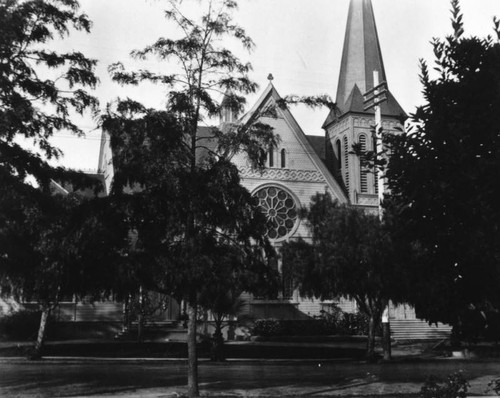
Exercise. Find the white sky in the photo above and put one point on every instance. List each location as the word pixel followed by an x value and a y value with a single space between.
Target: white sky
pixel 298 41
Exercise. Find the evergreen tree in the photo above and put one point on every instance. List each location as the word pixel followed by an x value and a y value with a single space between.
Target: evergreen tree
pixel 443 179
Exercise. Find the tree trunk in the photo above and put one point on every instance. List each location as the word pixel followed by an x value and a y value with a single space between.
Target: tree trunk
pixel 126 314
pixel 184 314
pixel 205 322
pixel 370 350
pixel 40 340
pixel 140 316
pixel 218 344
pixel 386 333
pixel 193 390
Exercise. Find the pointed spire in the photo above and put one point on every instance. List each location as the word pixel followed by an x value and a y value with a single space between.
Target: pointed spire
pixel 360 57
pixel 361 54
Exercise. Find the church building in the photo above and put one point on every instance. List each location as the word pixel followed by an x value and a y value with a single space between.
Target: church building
pixel 303 165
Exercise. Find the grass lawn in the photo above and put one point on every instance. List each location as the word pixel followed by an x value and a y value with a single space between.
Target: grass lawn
pixel 121 349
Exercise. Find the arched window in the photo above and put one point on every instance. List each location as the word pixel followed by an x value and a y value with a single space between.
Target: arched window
pixel 346 163
pixel 271 157
pixel 283 158
pixel 339 155
pixel 363 176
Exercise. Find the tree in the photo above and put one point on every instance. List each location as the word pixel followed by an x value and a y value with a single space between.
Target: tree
pixel 221 292
pixel 58 250
pixel 443 179
pixel 183 194
pixel 350 255
pixel 223 305
pixel 34 103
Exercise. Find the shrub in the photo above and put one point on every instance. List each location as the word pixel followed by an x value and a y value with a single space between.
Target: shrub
pixel 326 324
pixel 268 327
pixel 455 386
pixel 347 324
pixel 476 325
pixel 353 324
pixel 494 385
pixel 276 327
pixel 20 325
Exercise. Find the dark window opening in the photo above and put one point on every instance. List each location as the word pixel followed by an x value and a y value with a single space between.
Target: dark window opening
pixel 339 155
pixel 363 175
pixel 346 163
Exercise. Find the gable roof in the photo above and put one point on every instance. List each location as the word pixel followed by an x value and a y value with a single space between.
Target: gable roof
pixel 271 94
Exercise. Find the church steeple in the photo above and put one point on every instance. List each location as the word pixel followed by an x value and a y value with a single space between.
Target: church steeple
pixel 361 54
pixel 360 57
pixel 350 123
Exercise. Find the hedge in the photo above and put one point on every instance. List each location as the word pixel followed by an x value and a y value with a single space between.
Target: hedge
pixel 22 325
pixel 345 324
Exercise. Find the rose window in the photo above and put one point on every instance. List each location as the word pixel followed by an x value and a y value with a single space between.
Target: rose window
pixel 280 209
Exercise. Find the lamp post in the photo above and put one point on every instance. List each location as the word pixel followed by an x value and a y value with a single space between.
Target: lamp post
pixel 372 100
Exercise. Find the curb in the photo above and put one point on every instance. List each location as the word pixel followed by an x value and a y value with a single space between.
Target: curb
pixel 62 359
pixel 291 361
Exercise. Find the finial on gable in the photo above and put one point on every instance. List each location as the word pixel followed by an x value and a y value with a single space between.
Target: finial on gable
pixel 270 77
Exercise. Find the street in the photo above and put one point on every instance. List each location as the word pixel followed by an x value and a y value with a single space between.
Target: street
pixel 51 378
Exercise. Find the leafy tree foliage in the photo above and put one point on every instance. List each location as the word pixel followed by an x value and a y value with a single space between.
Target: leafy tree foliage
pixel 56 250
pixel 350 255
pixel 185 204
pixel 34 105
pixel 46 242
pixel 443 179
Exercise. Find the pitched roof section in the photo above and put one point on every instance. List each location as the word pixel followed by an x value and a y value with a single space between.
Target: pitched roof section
pixel 360 57
pixel 310 147
pixel 390 107
pixel 206 141
pixel 86 192
pixel 318 144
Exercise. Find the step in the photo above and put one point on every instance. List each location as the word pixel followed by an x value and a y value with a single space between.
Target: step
pixel 416 329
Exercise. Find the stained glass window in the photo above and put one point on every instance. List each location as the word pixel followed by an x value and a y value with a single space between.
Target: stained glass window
pixel 280 210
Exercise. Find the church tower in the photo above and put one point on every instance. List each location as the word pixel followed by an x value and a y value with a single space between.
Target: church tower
pixel 350 123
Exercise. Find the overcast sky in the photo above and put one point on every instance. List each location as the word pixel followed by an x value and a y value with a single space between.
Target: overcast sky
pixel 298 41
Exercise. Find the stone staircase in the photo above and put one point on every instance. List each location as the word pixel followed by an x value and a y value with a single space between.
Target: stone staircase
pixel 416 329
